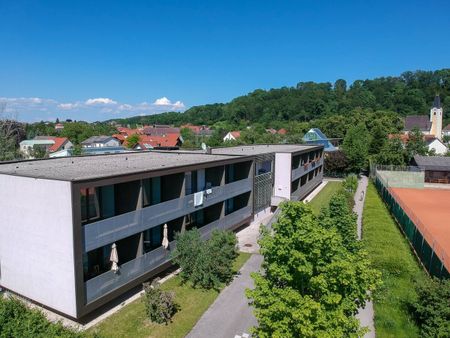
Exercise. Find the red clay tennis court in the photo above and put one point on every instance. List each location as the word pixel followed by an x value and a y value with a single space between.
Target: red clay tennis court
pixel 429 209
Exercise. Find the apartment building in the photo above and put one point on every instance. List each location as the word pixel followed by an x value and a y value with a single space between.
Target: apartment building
pixel 63 216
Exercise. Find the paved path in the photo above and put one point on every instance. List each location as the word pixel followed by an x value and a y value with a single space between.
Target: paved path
pixel 365 315
pixel 230 314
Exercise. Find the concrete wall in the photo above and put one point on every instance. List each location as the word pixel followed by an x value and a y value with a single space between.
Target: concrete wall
pixel 282 181
pixel 36 241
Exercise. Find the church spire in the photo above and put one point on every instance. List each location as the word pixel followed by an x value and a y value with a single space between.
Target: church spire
pixel 437 102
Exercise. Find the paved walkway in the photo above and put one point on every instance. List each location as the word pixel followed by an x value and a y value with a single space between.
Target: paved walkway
pixel 365 315
pixel 230 315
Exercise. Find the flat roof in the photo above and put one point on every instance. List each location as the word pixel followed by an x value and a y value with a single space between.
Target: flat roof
pixel 438 163
pixel 81 168
pixel 259 149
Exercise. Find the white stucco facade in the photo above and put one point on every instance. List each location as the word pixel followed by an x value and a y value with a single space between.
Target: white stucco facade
pixel 438 147
pixel 36 241
pixel 282 181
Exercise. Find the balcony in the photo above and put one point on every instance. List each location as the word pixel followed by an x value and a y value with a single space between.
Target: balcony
pixel 112 229
pixel 109 281
pixel 304 169
pixel 305 189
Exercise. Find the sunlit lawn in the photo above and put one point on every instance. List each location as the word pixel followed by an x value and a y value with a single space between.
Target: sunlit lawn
pixel 390 254
pixel 131 320
pixel 323 197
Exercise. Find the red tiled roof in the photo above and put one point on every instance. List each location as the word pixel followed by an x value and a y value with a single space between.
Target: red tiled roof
pixel 120 137
pixel 282 131
pixel 447 127
pixel 235 134
pixel 170 140
pixel 59 142
pixel 405 137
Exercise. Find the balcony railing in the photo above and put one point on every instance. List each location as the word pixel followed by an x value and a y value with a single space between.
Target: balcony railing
pixel 304 190
pixel 110 281
pixel 112 229
pixel 304 169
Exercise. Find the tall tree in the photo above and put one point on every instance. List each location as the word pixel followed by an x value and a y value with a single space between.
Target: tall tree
pixel 312 285
pixel 356 147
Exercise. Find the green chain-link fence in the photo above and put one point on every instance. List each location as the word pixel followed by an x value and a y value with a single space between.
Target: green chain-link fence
pixel 431 256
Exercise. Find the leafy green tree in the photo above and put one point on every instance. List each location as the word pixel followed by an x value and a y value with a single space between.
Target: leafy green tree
pixel 356 147
pixel 312 285
pixel 38 151
pixel 378 138
pixel 338 215
pixel 336 163
pixel 207 264
pixel 416 144
pixel 432 308
pixel 132 140
pixel 392 153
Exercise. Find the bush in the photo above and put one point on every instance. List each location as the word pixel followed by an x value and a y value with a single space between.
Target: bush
pixel 432 308
pixel 207 264
pixel 351 183
pixel 160 305
pixel 339 216
pixel 17 320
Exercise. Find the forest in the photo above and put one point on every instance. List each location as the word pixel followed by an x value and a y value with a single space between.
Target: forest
pixel 327 104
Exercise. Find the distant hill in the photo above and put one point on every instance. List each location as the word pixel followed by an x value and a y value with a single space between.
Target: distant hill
pixel 407 94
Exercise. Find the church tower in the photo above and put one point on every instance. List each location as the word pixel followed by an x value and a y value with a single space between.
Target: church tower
pixel 436 118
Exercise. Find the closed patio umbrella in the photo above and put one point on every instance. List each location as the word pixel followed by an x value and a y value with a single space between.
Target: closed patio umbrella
pixel 114 258
pixel 165 241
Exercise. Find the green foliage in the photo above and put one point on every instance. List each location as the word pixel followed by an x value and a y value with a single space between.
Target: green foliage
pixel 38 151
pixel 312 285
pixel 416 144
pixel 159 305
pixel 132 140
pixel 335 163
pixel 339 216
pixel 17 320
pixel 392 153
pixel 207 264
pixel 329 104
pixel 356 147
pixel 350 183
pixel 432 308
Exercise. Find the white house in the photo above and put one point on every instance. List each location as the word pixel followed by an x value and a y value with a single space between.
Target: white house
pixel 100 141
pixel 437 146
pixel 232 136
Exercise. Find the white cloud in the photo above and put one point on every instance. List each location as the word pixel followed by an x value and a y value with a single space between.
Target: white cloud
pixel 31 108
pixel 100 100
pixel 163 101
pixel 68 106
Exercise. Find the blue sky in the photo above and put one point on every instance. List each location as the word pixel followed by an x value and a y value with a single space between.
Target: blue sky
pixel 95 60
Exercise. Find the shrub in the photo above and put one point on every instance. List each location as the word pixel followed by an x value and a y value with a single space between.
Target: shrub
pixel 432 308
pixel 17 320
pixel 207 264
pixel 339 216
pixel 160 305
pixel 351 183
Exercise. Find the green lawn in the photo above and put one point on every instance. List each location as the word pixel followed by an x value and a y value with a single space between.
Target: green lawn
pixel 131 321
pixel 323 197
pixel 390 254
